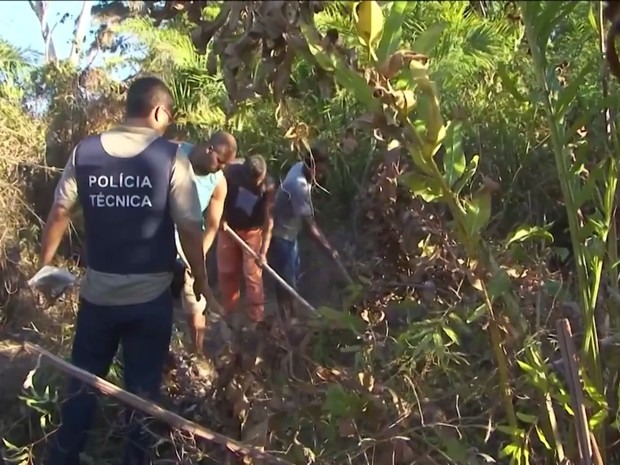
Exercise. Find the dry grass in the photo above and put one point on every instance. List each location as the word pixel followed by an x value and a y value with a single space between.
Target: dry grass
pixel 21 145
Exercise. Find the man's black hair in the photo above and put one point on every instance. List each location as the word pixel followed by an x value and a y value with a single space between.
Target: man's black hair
pixel 256 166
pixel 146 93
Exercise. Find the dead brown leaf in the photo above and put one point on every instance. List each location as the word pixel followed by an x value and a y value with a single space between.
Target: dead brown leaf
pixel 399 61
pixel 204 32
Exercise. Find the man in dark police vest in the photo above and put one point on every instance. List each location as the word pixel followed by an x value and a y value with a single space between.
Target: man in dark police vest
pixel 133 189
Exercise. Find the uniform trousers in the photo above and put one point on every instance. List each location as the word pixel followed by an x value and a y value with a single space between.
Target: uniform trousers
pixel 143 331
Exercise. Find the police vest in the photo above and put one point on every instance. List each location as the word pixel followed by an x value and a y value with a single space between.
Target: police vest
pixel 125 201
pixel 244 207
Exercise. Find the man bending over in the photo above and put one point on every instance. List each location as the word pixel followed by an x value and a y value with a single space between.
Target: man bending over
pixel 293 210
pixel 248 211
pixel 207 160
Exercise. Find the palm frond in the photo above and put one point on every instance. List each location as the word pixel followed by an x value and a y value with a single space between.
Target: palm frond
pixel 469 44
pixel 14 62
pixel 198 96
pixel 336 17
pixel 167 44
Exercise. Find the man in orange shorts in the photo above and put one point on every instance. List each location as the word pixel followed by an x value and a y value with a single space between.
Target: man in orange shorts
pixel 248 211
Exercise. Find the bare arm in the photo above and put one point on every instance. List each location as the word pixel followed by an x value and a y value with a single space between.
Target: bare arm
pixel 55 227
pixel 268 224
pixel 185 210
pixel 213 214
pixel 317 235
pixel 65 197
pixel 177 242
pixel 190 237
pixel 302 206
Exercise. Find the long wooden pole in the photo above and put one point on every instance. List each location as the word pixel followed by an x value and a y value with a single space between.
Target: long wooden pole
pixel 171 418
pixel 269 270
pixel 569 356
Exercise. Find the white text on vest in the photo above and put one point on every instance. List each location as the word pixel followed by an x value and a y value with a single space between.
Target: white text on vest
pixel 122 200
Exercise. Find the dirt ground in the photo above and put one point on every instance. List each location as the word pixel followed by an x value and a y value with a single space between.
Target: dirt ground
pixel 317 286
pixel 194 388
pixel 14 368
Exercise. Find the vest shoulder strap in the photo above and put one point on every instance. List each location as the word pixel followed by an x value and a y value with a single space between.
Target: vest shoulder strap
pixel 88 145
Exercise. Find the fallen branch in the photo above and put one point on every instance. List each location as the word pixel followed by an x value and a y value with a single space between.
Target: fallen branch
pixel 168 417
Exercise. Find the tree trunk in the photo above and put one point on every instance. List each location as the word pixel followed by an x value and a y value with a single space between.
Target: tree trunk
pixel 40 9
pixel 81 28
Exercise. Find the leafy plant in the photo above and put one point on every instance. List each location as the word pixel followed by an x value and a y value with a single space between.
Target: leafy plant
pixel 422 132
pixel 588 185
pixel 406 95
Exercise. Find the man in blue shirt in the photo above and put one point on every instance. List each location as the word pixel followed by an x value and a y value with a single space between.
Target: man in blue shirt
pixel 133 190
pixel 293 210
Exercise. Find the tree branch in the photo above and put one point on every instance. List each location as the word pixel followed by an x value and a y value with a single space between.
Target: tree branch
pixel 171 418
pixel 40 9
pixel 81 28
